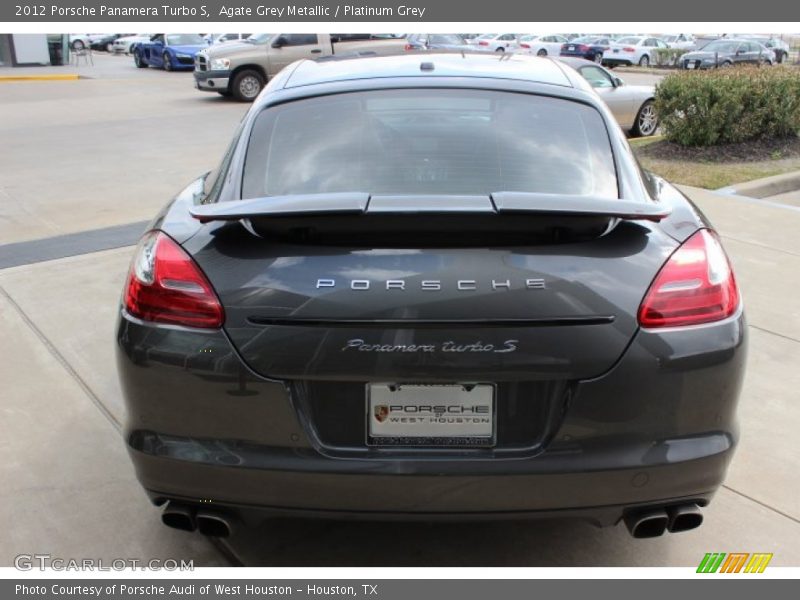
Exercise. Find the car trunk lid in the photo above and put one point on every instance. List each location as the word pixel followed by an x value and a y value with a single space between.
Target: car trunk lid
pixel 508 288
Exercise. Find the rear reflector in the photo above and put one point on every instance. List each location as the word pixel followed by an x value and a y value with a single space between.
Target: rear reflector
pixel 166 286
pixel 696 285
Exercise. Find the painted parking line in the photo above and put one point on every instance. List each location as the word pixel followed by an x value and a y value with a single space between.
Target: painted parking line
pixel 71 244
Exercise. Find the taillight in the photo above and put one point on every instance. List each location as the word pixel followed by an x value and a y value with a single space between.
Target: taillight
pixel 166 286
pixel 583 48
pixel 696 285
pixel 483 43
pixel 409 47
pixel 628 49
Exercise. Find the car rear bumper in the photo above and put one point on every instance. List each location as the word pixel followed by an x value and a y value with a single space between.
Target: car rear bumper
pixel 658 428
pixel 287 481
pixel 587 55
pixel 616 60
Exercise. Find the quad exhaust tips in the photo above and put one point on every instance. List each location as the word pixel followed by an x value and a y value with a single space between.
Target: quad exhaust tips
pixel 186 518
pixel 654 522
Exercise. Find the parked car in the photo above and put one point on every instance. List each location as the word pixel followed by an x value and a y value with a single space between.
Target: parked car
pixel 590 47
pixel 681 41
pixel 436 41
pixel 170 51
pixel 633 51
pixel 359 313
pixel 633 106
pixel 104 43
pixel 727 53
pixel 125 44
pixel 541 45
pixel 474 38
pixel 79 41
pixel 221 38
pixel 241 69
pixel 778 46
pixel 496 42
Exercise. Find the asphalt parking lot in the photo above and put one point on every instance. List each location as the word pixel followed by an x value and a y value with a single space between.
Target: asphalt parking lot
pixel 110 151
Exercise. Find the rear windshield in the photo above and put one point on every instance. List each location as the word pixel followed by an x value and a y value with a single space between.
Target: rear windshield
pixel 429 141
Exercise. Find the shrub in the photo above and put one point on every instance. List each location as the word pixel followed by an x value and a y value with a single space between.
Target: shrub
pixel 666 57
pixel 723 106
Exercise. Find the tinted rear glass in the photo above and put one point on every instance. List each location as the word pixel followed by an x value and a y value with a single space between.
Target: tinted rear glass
pixel 429 141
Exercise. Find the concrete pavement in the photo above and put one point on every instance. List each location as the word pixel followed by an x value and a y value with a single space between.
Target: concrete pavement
pixel 107 152
pixel 90 153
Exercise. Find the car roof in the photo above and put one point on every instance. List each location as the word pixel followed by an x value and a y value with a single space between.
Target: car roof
pixel 456 64
pixel 736 39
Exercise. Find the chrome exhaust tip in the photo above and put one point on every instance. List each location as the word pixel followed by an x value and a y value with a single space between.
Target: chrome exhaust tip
pixel 178 516
pixel 647 524
pixel 213 524
pixel 684 517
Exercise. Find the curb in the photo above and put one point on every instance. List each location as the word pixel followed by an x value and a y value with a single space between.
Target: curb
pixel 52 77
pixel 763 188
pixel 641 70
pixel 650 138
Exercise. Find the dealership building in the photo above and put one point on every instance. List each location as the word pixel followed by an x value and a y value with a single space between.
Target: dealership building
pixel 33 49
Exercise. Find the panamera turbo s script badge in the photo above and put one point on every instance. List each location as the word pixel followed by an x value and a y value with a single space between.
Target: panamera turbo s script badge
pixel 361 345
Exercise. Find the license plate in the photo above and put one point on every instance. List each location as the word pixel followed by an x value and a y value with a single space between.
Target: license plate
pixel 616 50
pixel 571 48
pixel 690 65
pixel 431 415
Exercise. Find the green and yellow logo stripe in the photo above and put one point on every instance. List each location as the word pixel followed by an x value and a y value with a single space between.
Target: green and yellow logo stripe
pixel 734 562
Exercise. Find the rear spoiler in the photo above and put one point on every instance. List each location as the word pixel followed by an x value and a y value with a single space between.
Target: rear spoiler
pixel 360 203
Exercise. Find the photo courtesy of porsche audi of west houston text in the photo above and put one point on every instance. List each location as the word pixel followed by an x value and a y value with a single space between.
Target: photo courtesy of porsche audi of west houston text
pixel 226 11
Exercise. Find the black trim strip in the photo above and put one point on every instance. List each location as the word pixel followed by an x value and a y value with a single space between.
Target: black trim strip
pixel 431 323
pixel 72 244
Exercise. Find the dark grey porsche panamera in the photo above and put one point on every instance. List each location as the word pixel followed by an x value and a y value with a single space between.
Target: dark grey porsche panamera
pixel 431 288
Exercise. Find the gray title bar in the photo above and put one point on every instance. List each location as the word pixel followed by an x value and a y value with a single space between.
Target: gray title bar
pixel 422 11
pixel 730 588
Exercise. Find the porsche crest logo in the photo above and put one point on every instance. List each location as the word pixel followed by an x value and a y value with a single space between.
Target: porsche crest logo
pixel 381 412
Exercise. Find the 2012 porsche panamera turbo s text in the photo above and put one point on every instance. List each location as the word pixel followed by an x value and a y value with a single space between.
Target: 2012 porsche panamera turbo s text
pixel 431 288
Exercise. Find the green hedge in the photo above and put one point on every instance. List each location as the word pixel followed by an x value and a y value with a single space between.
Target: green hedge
pixel 729 105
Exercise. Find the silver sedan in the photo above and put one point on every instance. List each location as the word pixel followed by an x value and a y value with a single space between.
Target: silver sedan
pixel 632 105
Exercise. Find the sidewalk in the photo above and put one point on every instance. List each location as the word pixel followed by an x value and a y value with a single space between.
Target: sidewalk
pixel 106 66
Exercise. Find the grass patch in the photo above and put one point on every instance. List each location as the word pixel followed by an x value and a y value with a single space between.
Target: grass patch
pixel 714 167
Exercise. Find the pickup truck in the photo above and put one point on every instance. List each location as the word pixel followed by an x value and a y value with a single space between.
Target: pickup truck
pixel 242 69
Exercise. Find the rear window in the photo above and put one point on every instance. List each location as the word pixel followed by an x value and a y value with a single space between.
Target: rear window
pixel 429 141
